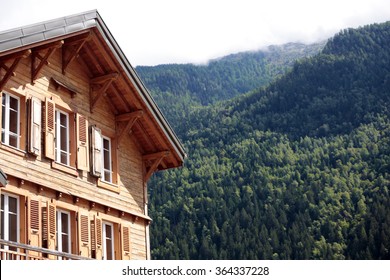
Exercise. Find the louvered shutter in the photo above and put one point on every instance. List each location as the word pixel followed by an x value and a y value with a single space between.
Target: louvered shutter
pixel 125 241
pixel 82 143
pixel 96 238
pixel 34 145
pixel 84 231
pixel 49 226
pixel 97 147
pixel 34 224
pixel 50 129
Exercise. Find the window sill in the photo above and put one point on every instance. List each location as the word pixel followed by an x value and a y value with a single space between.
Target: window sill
pixel 67 169
pixel 13 150
pixel 108 186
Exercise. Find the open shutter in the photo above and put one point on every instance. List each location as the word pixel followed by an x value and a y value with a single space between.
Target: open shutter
pixel 35 118
pixel 84 234
pixel 82 143
pixel 97 150
pixel 125 241
pixel 34 224
pixel 96 238
pixel 49 227
pixel 50 129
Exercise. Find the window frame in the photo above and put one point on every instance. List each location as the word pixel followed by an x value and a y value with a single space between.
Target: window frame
pixel 110 162
pixel 4 220
pixel 59 136
pixel 104 236
pixel 59 232
pixel 114 161
pixel 5 110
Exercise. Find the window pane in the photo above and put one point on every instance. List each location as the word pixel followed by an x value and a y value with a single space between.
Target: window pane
pixel 64 158
pixel 13 103
pixel 13 141
pixel 64 220
pixel 106 144
pixel 108 231
pixel 13 121
pixel 65 243
pixel 107 176
pixel 63 140
pixel 12 205
pixel 63 120
pixel 106 159
pixel 2 223
pixel 13 227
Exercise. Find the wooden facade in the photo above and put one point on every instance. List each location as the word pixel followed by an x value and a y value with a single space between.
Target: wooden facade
pixel 80 138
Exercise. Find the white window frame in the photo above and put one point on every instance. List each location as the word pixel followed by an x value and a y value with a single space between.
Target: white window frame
pixel 58 137
pixel 6 112
pixel 60 233
pixel 109 170
pixel 5 210
pixel 104 224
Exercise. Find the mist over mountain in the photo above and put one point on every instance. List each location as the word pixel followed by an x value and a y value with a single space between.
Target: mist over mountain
pixel 296 166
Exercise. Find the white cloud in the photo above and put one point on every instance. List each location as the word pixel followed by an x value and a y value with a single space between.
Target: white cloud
pixel 172 31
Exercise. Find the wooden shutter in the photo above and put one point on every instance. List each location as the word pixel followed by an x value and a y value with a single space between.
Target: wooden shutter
pixel 1 114
pixel 82 143
pixel 34 222
pixel 50 129
pixel 97 150
pixel 84 231
pixel 49 213
pixel 34 145
pixel 96 238
pixel 125 241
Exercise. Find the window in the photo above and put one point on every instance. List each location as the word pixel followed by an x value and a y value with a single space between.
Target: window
pixel 62 153
pixel 63 231
pixel 108 241
pixel 10 114
pixel 106 160
pixel 9 219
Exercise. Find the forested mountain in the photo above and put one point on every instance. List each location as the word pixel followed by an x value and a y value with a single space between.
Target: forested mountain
pixel 299 169
pixel 179 87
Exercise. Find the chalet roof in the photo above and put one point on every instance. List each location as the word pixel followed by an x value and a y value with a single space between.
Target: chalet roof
pixel 101 55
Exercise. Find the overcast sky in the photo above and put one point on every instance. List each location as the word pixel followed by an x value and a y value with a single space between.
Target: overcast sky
pixel 152 32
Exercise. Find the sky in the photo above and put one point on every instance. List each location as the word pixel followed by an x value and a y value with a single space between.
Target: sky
pixel 152 32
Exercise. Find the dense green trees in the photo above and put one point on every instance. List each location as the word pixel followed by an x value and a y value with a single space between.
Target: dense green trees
pixel 297 170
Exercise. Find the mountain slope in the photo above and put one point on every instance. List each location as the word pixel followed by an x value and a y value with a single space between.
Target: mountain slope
pixel 179 87
pixel 297 170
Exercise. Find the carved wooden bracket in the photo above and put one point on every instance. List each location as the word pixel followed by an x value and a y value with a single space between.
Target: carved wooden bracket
pixel 130 118
pixel 151 162
pixel 9 70
pixel 103 82
pixel 36 55
pixel 71 50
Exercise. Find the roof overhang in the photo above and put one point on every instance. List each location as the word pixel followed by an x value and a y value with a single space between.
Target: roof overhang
pixel 93 44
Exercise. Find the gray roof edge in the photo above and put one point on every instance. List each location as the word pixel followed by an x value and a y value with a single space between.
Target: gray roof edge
pixel 141 88
pixel 50 29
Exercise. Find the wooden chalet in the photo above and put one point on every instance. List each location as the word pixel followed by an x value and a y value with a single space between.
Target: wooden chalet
pixel 80 137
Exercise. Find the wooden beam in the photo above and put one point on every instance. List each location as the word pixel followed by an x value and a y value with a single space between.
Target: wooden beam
pixel 106 81
pixel 9 71
pixel 104 78
pixel 156 159
pixel 50 48
pixel 130 118
pixel 74 48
